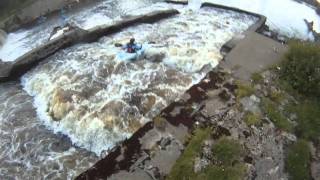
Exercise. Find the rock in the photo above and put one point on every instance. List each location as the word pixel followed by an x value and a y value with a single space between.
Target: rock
pixel 60 104
pixel 315 169
pixel 154 173
pixel 251 104
pixel 206 150
pixel 5 69
pixel 200 164
pixel 164 142
pixel 290 137
pixel 225 95
pixel 206 68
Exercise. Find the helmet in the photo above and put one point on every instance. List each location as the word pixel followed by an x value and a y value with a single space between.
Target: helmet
pixel 132 40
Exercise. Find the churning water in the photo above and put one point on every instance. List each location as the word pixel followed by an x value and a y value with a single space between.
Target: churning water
pixel 81 101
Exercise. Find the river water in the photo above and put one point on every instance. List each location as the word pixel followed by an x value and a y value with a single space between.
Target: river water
pixel 81 101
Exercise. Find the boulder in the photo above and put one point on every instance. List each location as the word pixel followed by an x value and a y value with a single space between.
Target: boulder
pixel 61 104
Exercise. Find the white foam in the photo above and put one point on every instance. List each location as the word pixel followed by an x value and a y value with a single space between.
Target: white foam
pixel 194 5
pixel 284 16
pixel 14 46
pixel 117 98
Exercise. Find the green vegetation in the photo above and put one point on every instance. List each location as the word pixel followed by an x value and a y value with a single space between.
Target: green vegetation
pixel 300 77
pixel 301 68
pixel 298 161
pixel 308 119
pixel 256 78
pixel 280 121
pixel 244 90
pixel 183 169
pixel 277 97
pixel 226 152
pixel 252 119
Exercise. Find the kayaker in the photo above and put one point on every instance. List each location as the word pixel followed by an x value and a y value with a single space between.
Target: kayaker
pixel 132 47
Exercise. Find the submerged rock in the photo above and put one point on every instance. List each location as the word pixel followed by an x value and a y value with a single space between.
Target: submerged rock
pixel 60 104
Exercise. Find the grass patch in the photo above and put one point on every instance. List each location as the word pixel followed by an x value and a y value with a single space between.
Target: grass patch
pixel 228 154
pixel 298 161
pixel 257 78
pixel 277 96
pixel 183 169
pixel 227 151
pixel 252 119
pixel 280 121
pixel 244 90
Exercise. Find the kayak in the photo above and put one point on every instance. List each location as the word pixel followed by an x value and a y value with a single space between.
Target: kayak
pixel 125 56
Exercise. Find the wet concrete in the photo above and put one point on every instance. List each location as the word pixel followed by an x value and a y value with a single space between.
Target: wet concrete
pixel 253 54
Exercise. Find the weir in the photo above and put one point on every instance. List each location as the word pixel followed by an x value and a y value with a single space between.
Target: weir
pixel 123 156
pixel 122 159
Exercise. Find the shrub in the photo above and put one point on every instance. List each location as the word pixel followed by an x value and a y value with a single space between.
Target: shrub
pixel 301 68
pixel 252 119
pixel 183 169
pixel 257 77
pixel 244 90
pixel 227 151
pixel 277 96
pixel 275 116
pixel 298 161
pixel 308 113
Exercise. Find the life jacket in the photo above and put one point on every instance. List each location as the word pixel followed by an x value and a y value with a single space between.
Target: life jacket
pixel 131 48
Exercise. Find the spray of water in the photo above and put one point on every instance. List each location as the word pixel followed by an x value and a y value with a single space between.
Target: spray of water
pixel 194 5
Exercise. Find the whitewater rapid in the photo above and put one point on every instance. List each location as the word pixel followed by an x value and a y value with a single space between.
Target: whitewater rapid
pixel 97 100
pixel 81 101
pixel 283 16
pixel 105 12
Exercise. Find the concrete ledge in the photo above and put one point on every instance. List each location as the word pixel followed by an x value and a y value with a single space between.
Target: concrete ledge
pixel 77 35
